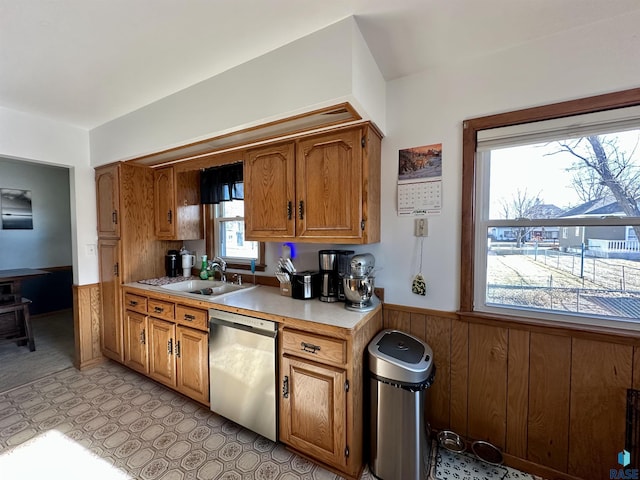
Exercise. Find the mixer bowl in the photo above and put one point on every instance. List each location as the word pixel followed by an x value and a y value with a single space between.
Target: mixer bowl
pixel 358 290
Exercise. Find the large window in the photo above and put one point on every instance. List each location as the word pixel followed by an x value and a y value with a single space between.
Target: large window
pixel 551 215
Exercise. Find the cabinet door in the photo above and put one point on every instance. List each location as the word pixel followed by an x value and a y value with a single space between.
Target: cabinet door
pixel 329 186
pixel 269 183
pixel 110 293
pixel 164 199
pixel 107 200
pixel 313 410
pixel 192 352
pixel 135 341
pixel 162 362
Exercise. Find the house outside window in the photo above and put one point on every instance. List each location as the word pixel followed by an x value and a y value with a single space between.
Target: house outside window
pixel 558 195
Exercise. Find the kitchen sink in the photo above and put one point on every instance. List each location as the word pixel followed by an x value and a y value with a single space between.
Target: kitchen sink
pixel 205 287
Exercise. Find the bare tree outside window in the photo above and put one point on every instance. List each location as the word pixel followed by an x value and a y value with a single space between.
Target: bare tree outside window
pixel 604 167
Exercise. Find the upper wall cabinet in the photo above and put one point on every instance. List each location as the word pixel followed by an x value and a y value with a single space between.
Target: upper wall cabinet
pixel 107 198
pixel 319 188
pixel 177 204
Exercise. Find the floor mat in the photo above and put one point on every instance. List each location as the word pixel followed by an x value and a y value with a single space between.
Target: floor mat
pixel 466 466
pixel 463 466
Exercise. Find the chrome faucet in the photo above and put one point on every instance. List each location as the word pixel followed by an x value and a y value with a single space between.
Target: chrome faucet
pixel 221 265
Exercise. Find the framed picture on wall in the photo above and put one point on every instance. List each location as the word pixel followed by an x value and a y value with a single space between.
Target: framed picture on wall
pixel 16 209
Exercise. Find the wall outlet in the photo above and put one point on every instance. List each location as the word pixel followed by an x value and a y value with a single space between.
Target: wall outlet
pixel 421 227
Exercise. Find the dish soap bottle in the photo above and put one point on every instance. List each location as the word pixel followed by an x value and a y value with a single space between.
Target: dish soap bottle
pixel 204 274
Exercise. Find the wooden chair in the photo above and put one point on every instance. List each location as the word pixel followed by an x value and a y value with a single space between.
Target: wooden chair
pixel 19 330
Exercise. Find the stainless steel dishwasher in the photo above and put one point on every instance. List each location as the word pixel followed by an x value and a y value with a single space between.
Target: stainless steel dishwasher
pixel 242 370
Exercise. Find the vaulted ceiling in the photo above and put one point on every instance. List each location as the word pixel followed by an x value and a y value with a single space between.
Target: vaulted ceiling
pixel 85 62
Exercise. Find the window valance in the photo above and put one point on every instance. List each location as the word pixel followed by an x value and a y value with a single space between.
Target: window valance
pixel 221 184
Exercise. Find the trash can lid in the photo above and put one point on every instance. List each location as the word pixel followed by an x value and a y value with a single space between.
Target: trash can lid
pixel 403 347
pixel 398 356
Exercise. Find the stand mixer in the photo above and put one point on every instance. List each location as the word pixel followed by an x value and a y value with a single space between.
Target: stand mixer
pixel 358 283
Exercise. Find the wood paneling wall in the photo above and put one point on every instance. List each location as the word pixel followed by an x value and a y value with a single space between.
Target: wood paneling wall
pixel 554 400
pixel 86 324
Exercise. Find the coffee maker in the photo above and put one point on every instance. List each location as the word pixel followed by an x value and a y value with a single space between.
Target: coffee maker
pixel 333 264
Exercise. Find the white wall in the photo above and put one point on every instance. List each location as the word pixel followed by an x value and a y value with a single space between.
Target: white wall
pixel 48 243
pixel 31 138
pixel 312 72
pixel 430 107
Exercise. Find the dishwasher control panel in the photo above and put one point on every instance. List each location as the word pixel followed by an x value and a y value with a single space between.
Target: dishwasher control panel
pixel 215 316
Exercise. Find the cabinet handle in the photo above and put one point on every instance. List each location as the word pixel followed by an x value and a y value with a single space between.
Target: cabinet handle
pixel 114 217
pixel 285 387
pixel 143 340
pixel 178 349
pixel 133 303
pixel 169 216
pixel 115 269
pixel 170 346
pixel 289 210
pixel 158 309
pixel 189 317
pixel 309 347
pixel 301 210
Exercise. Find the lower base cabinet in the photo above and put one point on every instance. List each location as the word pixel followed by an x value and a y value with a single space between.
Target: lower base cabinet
pixel 314 410
pixel 173 354
pixel 322 397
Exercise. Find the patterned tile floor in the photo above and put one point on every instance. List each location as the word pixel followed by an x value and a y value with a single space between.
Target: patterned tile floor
pixel 125 426
pixel 111 423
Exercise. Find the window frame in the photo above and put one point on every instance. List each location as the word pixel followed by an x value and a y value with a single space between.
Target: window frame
pixel 471 127
pixel 211 242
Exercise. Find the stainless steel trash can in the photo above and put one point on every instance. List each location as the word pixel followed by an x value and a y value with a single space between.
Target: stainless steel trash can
pixel 401 368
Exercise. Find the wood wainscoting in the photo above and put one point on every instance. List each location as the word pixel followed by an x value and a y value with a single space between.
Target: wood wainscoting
pixel 86 325
pixel 552 399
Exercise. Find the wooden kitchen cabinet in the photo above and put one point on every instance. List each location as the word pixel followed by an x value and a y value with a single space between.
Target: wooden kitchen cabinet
pixel 269 185
pixel 193 363
pixel 177 209
pixel 108 200
pixel 318 188
pixel 313 410
pixel 322 393
pixel 109 261
pixel 127 249
pixel 168 342
pixel 135 341
pixel 162 362
pixel 179 358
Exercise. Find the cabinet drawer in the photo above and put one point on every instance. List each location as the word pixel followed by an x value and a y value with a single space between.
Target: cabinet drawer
pixel 192 317
pixel 137 303
pixel 161 309
pixel 314 347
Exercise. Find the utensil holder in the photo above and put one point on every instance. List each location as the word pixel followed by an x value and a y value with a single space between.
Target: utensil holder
pixel 285 289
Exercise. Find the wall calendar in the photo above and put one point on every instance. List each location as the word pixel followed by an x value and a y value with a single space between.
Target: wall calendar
pixel 420 181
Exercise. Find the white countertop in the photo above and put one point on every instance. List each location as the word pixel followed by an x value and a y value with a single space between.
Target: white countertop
pixel 264 299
